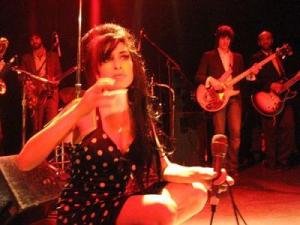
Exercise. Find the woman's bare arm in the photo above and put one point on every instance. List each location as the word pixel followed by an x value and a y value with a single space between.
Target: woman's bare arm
pixel 173 172
pixel 41 144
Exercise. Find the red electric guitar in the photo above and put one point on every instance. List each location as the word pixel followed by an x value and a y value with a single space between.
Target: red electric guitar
pixel 213 101
pixel 271 103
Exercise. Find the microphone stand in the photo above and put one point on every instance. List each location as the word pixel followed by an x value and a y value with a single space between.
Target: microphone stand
pixel 24 108
pixel 25 74
pixel 236 211
pixel 171 63
pixel 78 84
pixel 172 106
pixel 60 151
pixel 171 67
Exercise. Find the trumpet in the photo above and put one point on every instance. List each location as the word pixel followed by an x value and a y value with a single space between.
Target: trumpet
pixel 3 47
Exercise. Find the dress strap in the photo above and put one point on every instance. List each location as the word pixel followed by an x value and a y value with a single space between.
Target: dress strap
pixel 98 119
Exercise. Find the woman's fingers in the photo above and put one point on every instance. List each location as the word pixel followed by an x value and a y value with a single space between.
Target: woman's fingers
pixel 207 173
pixel 93 97
pixel 229 180
pixel 223 178
pixel 104 83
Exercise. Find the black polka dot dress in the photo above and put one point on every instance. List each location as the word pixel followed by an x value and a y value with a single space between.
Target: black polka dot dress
pixel 96 190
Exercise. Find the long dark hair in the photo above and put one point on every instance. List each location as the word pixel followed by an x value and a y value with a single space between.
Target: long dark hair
pixel 98 45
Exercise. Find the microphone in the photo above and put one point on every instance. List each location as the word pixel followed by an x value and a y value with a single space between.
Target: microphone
pixel 219 146
pixel 57 43
pixel 141 35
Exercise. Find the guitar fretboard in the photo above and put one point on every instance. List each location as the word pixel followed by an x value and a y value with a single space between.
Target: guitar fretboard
pixel 241 76
pixel 290 82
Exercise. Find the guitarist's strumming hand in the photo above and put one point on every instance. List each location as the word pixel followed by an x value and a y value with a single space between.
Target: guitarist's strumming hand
pixel 276 87
pixel 216 84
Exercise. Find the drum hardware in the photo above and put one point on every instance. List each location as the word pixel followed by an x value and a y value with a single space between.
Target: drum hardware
pixel 172 67
pixel 27 75
pixel 67 94
pixel 171 107
pixel 31 102
pixel 157 106
pixel 60 162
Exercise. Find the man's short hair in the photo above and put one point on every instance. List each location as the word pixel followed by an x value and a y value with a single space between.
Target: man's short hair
pixel 35 34
pixel 264 32
pixel 224 31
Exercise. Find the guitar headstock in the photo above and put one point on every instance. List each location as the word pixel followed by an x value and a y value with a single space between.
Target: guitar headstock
pixel 284 51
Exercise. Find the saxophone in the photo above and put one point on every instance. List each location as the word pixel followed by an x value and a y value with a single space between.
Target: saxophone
pixel 3 46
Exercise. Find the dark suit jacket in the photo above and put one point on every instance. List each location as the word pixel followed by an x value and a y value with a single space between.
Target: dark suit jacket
pixel 267 75
pixel 211 65
pixel 53 67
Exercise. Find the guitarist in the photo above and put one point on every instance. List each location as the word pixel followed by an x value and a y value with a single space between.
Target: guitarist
pixel 212 65
pixel 43 106
pixel 279 133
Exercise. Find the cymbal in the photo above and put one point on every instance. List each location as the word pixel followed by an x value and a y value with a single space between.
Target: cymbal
pixel 67 94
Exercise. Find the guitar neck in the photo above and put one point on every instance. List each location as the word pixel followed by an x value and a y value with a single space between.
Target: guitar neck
pixel 290 82
pixel 67 73
pixel 241 76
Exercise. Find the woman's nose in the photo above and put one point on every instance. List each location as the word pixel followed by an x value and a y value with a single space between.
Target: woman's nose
pixel 117 64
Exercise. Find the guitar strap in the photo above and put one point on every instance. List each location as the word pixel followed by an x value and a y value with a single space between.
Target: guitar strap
pixel 278 66
pixel 41 66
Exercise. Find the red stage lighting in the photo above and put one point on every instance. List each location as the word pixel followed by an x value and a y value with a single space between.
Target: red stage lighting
pixel 95 10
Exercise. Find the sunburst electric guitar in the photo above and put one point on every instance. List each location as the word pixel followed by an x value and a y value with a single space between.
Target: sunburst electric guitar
pixel 212 100
pixel 271 103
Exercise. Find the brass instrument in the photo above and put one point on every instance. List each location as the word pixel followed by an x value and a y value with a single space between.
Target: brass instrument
pixel 3 46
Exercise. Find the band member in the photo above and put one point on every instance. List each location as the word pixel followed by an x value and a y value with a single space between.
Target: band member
pixel 42 99
pixel 279 131
pixel 118 144
pixel 212 65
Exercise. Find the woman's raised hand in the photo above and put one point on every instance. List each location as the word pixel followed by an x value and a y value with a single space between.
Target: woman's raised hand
pixel 94 97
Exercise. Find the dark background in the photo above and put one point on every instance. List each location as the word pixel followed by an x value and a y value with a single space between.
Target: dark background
pixel 184 29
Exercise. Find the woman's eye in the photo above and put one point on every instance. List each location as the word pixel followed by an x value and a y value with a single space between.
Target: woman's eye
pixel 108 59
pixel 125 57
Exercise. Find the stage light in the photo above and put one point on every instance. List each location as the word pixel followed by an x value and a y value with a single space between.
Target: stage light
pixel 95 10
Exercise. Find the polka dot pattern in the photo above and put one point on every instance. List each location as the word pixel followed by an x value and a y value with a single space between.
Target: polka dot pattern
pixel 99 152
pixel 96 191
pixel 99 174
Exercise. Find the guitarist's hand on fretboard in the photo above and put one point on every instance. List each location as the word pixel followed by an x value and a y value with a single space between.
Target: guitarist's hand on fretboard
pixel 255 68
pixel 216 84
